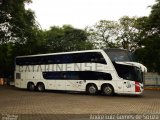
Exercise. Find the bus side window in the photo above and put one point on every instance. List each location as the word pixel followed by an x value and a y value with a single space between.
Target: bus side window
pixel 77 58
pixel 19 61
pixel 99 58
pixel 104 76
pixel 27 61
pixel 57 59
pixel 68 58
pixel 107 76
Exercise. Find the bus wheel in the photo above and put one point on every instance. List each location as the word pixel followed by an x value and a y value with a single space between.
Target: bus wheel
pixel 92 89
pixel 40 87
pixel 107 90
pixel 31 86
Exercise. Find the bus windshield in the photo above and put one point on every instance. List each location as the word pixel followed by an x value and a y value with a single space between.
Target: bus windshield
pixel 118 55
pixel 129 72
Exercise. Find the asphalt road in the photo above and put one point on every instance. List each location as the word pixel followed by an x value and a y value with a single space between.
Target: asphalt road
pixel 61 104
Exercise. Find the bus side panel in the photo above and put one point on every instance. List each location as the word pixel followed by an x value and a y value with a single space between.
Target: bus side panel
pixel 60 84
pixel 50 84
pixel 73 85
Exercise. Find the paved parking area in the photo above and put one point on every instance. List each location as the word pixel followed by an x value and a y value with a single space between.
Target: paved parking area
pixel 18 101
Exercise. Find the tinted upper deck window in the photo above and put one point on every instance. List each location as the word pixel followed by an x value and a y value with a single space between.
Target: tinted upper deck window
pixel 87 57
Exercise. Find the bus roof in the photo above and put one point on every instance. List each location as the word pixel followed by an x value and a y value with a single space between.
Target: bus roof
pixel 60 53
pixel 82 51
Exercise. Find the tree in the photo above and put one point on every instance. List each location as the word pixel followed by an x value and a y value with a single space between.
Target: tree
pixel 15 21
pixel 16 29
pixel 128 33
pixel 141 24
pixel 153 46
pixel 154 17
pixel 151 42
pixel 66 38
pixel 104 34
pixel 123 33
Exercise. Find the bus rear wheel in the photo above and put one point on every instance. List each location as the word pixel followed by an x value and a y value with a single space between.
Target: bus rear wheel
pixel 107 90
pixel 31 86
pixel 92 89
pixel 40 87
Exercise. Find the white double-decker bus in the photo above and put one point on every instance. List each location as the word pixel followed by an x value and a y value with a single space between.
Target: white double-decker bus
pixel 109 71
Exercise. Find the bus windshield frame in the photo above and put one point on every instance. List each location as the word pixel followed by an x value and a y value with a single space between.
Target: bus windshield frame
pixel 127 72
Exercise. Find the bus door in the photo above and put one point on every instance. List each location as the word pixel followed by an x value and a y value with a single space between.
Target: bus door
pixel 22 82
pixel 128 86
pixel 124 86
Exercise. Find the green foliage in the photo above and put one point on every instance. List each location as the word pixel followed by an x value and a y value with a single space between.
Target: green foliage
pixel 16 29
pixel 66 38
pixel 154 17
pixel 150 54
pixel 103 34
pixel 128 33
pixel 110 34
pixel 15 22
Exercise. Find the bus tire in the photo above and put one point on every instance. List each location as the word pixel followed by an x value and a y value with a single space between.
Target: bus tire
pixel 107 89
pixel 40 87
pixel 92 89
pixel 30 86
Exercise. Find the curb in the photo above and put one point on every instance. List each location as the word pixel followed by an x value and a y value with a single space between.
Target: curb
pixel 151 88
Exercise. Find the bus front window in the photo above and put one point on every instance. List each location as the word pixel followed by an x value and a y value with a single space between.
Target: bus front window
pixel 129 72
pixel 118 55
